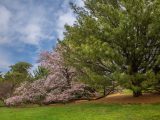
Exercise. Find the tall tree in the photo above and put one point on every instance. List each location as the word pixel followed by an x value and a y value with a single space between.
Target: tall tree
pixel 115 40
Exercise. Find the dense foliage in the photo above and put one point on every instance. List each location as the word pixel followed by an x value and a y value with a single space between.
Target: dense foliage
pixel 115 42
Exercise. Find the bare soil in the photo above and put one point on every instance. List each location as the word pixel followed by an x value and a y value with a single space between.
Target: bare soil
pixel 126 99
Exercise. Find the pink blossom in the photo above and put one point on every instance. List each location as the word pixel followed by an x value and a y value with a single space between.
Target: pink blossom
pixel 57 87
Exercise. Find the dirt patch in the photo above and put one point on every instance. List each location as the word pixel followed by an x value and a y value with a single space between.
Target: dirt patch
pixel 127 99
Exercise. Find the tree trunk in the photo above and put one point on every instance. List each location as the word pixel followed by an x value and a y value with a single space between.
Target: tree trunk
pixel 137 93
pixel 135 82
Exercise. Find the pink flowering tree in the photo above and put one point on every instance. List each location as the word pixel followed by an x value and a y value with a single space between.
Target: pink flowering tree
pixel 55 62
pixel 59 86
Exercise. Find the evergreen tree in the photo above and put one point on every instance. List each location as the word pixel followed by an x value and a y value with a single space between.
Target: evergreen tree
pixel 115 41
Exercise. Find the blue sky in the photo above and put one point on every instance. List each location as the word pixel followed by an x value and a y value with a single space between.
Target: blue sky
pixel 28 27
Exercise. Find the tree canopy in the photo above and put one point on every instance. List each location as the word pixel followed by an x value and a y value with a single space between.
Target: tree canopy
pixel 115 41
pixel 18 73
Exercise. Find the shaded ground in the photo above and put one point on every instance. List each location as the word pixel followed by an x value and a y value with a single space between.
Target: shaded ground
pixel 127 99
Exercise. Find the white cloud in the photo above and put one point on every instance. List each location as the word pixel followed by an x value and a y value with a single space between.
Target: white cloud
pixel 37 27
pixel 80 3
pixel 31 34
pixel 64 18
pixel 23 24
pixel 4 40
pixel 4 60
pixel 29 23
pixel 5 17
pixel 32 23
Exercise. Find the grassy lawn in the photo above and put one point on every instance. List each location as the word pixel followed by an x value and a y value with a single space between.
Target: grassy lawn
pixel 83 112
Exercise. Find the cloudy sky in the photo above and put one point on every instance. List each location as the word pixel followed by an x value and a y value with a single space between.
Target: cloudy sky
pixel 28 27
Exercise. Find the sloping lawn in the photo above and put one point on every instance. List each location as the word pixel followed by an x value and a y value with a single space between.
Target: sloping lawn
pixel 87 111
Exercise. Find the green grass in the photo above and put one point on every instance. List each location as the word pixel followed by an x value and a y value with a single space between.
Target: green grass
pixel 83 112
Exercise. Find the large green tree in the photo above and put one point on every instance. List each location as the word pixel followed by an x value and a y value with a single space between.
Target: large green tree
pixel 115 41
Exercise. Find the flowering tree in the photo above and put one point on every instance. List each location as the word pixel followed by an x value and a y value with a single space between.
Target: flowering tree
pixel 57 87
pixel 55 62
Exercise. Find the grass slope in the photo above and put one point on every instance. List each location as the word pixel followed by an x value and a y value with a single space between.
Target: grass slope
pixel 87 111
